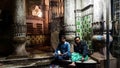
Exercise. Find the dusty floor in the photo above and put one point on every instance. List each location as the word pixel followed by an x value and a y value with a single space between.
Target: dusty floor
pixel 40 57
pixel 35 60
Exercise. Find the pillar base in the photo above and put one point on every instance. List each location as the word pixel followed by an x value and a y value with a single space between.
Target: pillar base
pixel 101 59
pixel 19 45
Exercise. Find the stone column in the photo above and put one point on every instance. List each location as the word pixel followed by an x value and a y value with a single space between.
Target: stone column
pixel 19 28
pixel 98 10
pixel 69 19
pixel 101 13
pixel 46 16
pixel 105 13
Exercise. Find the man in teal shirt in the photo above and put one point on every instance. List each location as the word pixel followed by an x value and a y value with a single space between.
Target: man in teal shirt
pixel 63 49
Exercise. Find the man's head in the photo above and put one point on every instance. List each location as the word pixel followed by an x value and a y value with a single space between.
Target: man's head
pixel 62 39
pixel 77 39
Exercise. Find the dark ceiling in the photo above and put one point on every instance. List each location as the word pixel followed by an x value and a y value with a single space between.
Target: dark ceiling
pixel 5 4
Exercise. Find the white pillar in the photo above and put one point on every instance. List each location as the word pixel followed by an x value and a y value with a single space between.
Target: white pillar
pixel 19 28
pixel 69 19
pixel 98 10
pixel 78 4
pixel 104 14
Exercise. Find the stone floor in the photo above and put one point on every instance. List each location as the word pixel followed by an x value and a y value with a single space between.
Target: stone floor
pixel 29 62
pixel 40 57
pixel 41 61
pixel 86 64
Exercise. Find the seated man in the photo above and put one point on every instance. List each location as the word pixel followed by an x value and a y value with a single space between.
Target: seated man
pixel 63 49
pixel 80 51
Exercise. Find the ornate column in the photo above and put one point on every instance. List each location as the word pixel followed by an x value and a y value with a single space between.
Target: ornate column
pixel 69 19
pixel 102 41
pixel 100 15
pixel 19 28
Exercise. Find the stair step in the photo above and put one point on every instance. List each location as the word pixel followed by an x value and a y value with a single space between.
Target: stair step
pixel 26 62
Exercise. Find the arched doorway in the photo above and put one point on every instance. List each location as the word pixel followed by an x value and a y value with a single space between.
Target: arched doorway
pixel 38 36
